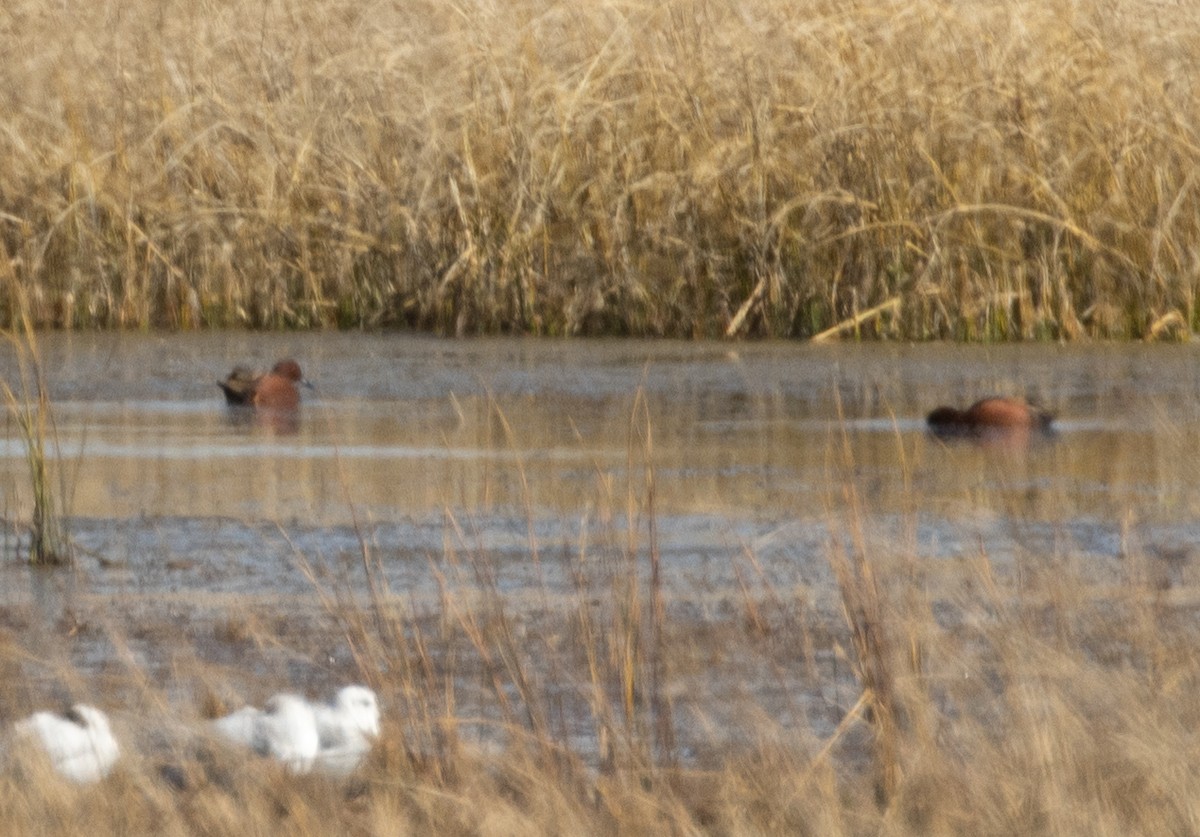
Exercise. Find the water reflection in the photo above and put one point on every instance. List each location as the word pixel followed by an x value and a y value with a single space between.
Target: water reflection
pixel 409 428
pixel 284 422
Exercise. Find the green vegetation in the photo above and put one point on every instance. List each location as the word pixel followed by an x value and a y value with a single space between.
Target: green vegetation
pixel 916 169
pixel 29 408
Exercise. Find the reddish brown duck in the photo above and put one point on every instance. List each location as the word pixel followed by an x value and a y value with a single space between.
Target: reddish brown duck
pixel 990 418
pixel 274 390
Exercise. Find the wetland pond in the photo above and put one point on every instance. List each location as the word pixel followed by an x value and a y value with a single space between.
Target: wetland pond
pixel 538 473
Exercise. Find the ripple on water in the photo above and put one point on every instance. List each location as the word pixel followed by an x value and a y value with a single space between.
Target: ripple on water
pixel 461 462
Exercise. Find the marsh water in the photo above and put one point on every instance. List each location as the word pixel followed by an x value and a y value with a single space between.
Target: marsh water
pixel 530 457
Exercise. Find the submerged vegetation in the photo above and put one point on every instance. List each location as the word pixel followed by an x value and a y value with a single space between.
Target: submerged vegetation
pixel 917 169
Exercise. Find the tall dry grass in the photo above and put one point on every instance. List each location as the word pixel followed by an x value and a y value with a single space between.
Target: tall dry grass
pixel 988 700
pixel 911 694
pixel 920 169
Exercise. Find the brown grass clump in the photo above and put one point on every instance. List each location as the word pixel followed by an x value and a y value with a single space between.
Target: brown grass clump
pixel 918 169
pixel 27 402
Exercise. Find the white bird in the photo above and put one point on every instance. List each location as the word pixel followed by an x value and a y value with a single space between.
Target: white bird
pixel 79 743
pixel 347 729
pixel 285 730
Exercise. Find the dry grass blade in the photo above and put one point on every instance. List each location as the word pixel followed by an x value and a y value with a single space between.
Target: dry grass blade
pixel 1018 170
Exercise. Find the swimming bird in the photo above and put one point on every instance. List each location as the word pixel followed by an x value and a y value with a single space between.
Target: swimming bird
pixel 990 418
pixel 274 390
pixel 347 729
pixel 285 730
pixel 79 742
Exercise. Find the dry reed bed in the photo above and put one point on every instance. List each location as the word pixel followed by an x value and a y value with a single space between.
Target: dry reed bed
pixel 963 696
pixel 919 169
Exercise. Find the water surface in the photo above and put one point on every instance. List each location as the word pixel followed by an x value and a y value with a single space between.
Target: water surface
pixel 743 438
pixel 532 459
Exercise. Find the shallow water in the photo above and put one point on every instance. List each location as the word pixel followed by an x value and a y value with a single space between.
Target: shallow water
pixel 530 458
pixel 524 438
